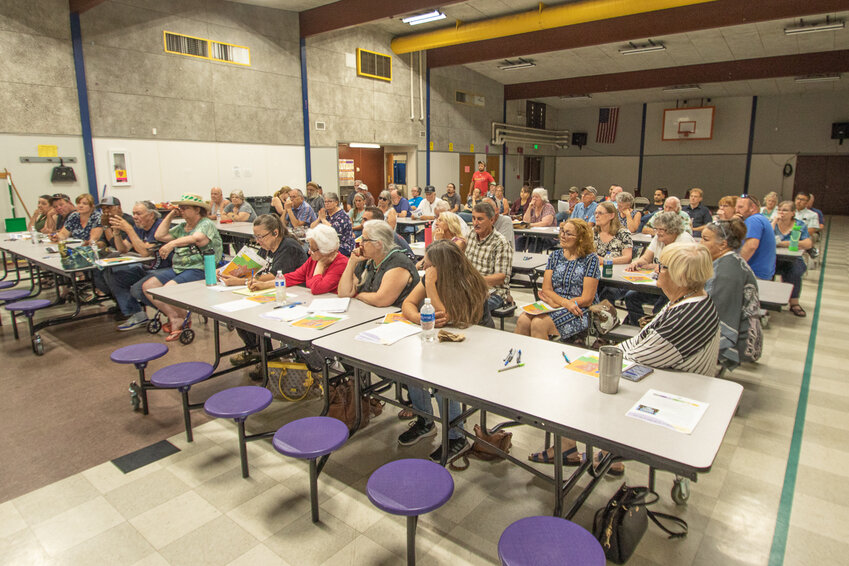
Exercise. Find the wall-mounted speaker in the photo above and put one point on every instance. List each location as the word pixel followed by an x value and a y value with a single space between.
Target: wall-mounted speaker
pixel 579 139
pixel 840 131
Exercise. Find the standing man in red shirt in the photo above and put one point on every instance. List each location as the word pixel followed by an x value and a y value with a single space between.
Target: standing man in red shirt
pixel 481 179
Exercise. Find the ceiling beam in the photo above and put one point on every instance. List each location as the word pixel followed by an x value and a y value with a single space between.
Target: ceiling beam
pixel 721 13
pixel 347 13
pixel 80 6
pixel 727 71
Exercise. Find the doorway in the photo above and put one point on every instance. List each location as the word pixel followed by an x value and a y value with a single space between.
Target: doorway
pixel 365 164
pixel 467 169
pixel 827 178
pixel 533 171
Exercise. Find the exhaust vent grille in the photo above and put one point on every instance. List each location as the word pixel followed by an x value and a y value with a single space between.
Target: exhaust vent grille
pixel 206 49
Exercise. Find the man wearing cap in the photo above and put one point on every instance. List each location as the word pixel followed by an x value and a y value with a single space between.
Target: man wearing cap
pixel 481 179
pixel 110 207
pixel 426 209
pixel 315 196
pixel 585 210
pixel 62 207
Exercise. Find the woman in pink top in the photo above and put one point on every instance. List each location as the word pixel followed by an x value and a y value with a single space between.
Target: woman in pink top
pixel 322 271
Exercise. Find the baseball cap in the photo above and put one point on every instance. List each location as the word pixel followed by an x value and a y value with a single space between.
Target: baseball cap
pixel 430 189
pixel 591 189
pixel 58 196
pixel 109 201
pixel 363 187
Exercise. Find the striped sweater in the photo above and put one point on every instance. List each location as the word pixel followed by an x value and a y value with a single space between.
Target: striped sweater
pixel 683 336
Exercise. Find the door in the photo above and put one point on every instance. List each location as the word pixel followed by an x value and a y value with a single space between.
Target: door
pixel 467 169
pixel 493 165
pixel 533 171
pixel 369 167
pixel 827 178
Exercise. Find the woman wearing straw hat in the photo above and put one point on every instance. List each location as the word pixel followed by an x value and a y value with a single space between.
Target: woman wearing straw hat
pixel 188 241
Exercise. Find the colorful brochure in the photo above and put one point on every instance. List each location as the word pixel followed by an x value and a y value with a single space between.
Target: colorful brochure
pixel 668 410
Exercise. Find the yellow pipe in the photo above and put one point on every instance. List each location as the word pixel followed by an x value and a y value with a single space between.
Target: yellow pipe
pixel 545 17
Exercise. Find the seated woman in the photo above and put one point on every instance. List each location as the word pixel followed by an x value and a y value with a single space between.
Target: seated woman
pixel 39 219
pixel 612 239
pixel 324 268
pixel 283 253
pixel 502 203
pixel 458 293
pixel 791 269
pixel 332 215
pixel 520 205
pixel 238 210
pixel 539 214
pixel 628 217
pixel 378 272
pixel 278 200
pixel 448 226
pixel 473 199
pixel 570 282
pixel 82 224
pixel 734 291
pixel 356 214
pixel 770 207
pixel 188 241
pixel 669 228
pixel 726 208
pixel 683 336
pixel 385 206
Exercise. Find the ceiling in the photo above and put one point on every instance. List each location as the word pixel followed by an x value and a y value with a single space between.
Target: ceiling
pixel 716 49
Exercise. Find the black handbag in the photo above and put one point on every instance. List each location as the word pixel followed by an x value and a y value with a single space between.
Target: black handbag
pixel 620 525
pixel 63 174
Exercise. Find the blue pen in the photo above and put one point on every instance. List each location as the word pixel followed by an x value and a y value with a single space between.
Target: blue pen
pixel 509 357
pixel 565 357
pixel 519 357
pixel 289 305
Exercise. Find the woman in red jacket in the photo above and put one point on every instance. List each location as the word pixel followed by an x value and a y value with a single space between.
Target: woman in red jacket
pixel 322 271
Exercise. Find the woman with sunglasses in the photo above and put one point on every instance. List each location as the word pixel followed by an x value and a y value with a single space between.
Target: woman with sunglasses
pixel 734 290
pixel 385 206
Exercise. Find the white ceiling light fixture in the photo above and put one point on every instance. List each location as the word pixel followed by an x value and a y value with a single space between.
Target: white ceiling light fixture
pixel 682 88
pixel 827 25
pixel 650 47
pixel 424 18
pixel 571 97
pixel 521 63
pixel 823 78
pixel 364 145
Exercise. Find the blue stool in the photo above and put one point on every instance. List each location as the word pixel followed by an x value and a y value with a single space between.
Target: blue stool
pixel 311 438
pixel 11 296
pixel 548 541
pixel 139 355
pixel 238 403
pixel 410 488
pixel 28 308
pixel 182 376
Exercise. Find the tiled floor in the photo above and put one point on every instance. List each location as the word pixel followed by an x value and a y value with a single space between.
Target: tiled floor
pixel 194 508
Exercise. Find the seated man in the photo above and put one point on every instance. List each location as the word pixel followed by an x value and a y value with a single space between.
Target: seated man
pixel 759 246
pixel 490 253
pixel 111 207
pixel 700 215
pixel 585 210
pixel 671 204
pixel 502 224
pixel 295 211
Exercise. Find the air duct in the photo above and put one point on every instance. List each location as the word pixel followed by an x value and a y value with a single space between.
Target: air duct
pixel 502 133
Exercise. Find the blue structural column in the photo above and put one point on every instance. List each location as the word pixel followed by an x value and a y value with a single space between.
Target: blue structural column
pixel 642 149
pixel 427 127
pixel 82 97
pixel 751 144
pixel 306 109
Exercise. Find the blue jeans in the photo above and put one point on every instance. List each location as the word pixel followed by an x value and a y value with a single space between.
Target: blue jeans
pixel 494 302
pixel 421 401
pixel 120 279
pixel 136 291
pixel 634 301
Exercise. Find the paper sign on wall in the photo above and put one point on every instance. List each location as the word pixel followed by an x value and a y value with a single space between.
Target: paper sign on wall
pixel 48 151
pixel 431 146
pixel 450 147
pixel 472 148
pixel 468 169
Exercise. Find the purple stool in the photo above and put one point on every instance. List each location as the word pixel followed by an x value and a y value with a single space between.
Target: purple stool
pixel 410 488
pixel 311 438
pixel 182 376
pixel 238 403
pixel 28 308
pixel 7 284
pixel 139 355
pixel 11 296
pixel 548 541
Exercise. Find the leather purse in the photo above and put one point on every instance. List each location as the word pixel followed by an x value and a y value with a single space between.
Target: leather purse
pixel 620 525
pixel 500 439
pixel 342 405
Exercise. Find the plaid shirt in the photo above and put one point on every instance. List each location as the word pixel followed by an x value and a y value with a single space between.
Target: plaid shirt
pixel 491 255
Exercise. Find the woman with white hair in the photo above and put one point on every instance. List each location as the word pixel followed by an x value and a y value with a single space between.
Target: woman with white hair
pixel 378 272
pixel 238 210
pixel 540 213
pixel 324 268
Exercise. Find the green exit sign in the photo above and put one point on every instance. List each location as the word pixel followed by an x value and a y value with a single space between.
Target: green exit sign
pixel 536 146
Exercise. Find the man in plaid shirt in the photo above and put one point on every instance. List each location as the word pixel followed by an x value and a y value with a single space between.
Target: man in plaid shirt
pixel 491 254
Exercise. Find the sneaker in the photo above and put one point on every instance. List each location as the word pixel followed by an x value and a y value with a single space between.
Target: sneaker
pixel 137 320
pixel 455 446
pixel 418 430
pixel 245 357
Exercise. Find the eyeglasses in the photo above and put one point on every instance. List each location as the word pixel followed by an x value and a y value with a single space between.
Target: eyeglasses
pixel 661 266
pixel 260 237
pixel 565 234
pixel 660 232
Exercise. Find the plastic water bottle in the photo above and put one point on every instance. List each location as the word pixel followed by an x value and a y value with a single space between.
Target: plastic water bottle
pixel 218 215
pixel 280 289
pixel 608 266
pixel 795 234
pixel 428 322
pixel 34 235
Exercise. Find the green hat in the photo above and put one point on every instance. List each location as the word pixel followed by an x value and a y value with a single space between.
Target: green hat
pixel 191 199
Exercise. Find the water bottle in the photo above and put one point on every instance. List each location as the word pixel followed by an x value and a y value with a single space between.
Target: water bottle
pixel 795 234
pixel 608 266
pixel 428 322
pixel 34 235
pixel 280 289
pixel 218 215
pixel 209 267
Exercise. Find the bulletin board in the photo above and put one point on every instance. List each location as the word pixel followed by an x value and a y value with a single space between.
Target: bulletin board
pixel 346 172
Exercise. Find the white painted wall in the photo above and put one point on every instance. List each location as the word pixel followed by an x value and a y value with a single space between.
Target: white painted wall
pixel 444 169
pixel 325 168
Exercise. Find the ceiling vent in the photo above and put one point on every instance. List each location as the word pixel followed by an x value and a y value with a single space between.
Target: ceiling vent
pixel 206 49
pixel 374 65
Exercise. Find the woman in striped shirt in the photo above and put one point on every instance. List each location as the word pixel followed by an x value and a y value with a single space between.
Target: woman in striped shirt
pixel 684 335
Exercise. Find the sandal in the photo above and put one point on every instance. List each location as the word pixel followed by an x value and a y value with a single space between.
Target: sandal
pixel 616 469
pixel 406 414
pixel 544 457
pixel 174 335
pixel 798 310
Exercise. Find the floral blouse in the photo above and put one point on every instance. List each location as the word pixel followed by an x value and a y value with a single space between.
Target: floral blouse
pixel 75 227
pixel 616 246
pixel 341 222
pixel 567 280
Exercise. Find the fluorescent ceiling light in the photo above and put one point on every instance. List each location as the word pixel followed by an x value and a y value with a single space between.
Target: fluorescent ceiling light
pixel 424 18
pixel 682 88
pixel 827 25
pixel 364 145
pixel 569 97
pixel 828 77
pixel 649 47
pixel 521 63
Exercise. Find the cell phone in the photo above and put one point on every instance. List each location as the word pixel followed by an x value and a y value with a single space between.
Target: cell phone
pixel 636 372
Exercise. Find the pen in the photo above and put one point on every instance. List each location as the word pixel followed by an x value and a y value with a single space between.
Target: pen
pixel 519 357
pixel 290 305
pixel 509 357
pixel 565 357
pixel 511 367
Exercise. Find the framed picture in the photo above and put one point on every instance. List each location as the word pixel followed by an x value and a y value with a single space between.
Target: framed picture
pixel 119 168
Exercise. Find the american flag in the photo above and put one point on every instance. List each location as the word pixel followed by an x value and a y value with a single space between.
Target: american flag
pixel 607 119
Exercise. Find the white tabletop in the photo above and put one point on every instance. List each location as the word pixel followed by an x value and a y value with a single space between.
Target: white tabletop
pixel 411 221
pixel 239 229
pixel 36 253
pixel 197 297
pixel 787 253
pixel 545 391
